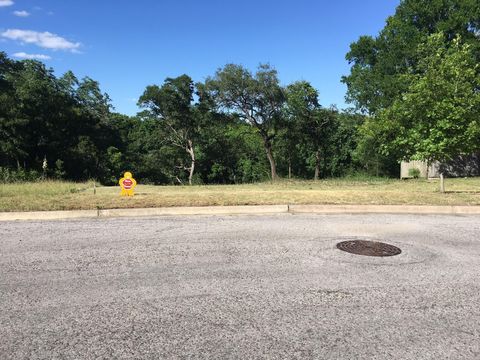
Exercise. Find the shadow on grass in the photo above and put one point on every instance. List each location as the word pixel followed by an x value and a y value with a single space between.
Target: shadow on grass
pixel 469 192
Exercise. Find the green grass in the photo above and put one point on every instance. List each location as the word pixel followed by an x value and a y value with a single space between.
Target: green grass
pixel 55 195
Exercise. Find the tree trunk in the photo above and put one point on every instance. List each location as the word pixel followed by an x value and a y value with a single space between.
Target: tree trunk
pixel 268 150
pixel 192 169
pixel 317 165
pixel 442 183
pixel 191 152
pixel 289 168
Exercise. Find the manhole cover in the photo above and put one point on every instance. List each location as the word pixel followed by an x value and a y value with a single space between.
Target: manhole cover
pixel 368 248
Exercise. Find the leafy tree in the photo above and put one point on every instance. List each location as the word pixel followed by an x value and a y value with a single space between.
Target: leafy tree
pixel 315 125
pixel 115 136
pixel 245 149
pixel 437 117
pixel 257 99
pixel 379 63
pixel 381 66
pixel 92 100
pixel 172 105
pixel 300 107
pixel 12 124
pixel 287 150
pixel 43 116
pixel 154 160
pixel 369 152
pixel 339 157
pixel 47 113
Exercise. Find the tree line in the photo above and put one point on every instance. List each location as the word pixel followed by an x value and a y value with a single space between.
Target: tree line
pixel 235 127
pixel 415 89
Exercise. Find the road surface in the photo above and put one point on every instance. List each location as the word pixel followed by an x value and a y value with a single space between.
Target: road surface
pixel 240 287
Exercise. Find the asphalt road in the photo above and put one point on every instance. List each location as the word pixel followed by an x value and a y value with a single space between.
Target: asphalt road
pixel 242 287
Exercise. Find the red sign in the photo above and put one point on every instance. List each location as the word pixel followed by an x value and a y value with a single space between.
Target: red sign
pixel 127 184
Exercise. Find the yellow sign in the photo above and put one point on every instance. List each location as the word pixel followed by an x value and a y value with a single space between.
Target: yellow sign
pixel 127 183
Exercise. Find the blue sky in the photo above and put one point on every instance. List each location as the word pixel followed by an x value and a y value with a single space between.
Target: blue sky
pixel 127 45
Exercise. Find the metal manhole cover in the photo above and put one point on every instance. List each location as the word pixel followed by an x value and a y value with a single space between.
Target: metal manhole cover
pixel 368 248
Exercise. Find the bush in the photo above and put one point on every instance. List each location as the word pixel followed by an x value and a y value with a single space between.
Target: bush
pixel 414 173
pixel 19 175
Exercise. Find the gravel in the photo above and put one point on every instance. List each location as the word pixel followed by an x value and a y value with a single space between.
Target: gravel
pixel 240 287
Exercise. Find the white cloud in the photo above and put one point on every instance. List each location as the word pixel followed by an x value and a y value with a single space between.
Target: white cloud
pixel 5 3
pixel 21 13
pixel 45 40
pixel 23 55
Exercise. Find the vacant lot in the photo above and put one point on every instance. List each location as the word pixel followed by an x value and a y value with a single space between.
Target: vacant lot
pixel 51 195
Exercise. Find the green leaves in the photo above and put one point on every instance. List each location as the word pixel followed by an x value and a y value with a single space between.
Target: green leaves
pixel 62 119
pixel 378 64
pixel 257 99
pixel 437 117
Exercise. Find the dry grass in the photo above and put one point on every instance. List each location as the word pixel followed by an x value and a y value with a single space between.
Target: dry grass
pixel 53 195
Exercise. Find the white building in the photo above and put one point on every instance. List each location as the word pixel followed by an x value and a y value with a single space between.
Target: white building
pixel 461 166
pixel 426 172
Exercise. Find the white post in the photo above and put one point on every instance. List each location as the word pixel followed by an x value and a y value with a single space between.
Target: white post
pixel 442 183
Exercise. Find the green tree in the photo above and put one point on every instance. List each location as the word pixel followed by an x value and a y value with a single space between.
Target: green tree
pixel 379 63
pixel 315 125
pixel 369 152
pixel 438 116
pixel 342 142
pixel 12 124
pixel 149 156
pixel 257 99
pixel 43 116
pixel 172 105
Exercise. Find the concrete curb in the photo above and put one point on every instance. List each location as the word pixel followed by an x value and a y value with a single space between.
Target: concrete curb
pixel 48 215
pixel 384 209
pixel 244 210
pixel 200 210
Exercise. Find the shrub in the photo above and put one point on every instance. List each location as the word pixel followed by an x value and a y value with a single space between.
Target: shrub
pixel 19 175
pixel 414 173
